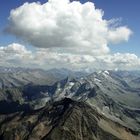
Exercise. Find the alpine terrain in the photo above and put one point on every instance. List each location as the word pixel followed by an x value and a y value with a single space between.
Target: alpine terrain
pixel 103 105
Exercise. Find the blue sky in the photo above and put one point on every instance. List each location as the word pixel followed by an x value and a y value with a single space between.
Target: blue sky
pixel 126 10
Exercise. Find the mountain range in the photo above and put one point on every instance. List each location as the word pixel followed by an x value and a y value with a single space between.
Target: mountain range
pixel 62 104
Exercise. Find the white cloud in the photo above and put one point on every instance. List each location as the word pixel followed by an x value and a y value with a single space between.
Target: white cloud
pixel 14 49
pixel 17 55
pixel 119 34
pixel 14 55
pixel 66 34
pixel 67 25
pixel 121 61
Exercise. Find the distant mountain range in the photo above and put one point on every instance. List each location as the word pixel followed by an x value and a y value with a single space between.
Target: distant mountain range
pixel 17 77
pixel 104 105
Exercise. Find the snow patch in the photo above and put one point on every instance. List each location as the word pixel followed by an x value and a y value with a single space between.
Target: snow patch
pixel 71 84
pixel 97 80
pixel 106 72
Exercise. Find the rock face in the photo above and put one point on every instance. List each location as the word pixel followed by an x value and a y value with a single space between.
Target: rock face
pixel 22 86
pixel 103 105
pixel 63 120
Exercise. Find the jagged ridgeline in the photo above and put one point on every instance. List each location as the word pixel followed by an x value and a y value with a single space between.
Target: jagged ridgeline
pixel 63 120
pixel 60 104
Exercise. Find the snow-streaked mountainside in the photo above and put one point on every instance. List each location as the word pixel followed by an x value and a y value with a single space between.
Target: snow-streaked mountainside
pixel 114 94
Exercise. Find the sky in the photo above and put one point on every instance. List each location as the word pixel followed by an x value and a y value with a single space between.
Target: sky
pixel 78 34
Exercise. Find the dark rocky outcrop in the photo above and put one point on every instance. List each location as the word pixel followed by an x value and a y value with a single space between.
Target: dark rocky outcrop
pixel 62 120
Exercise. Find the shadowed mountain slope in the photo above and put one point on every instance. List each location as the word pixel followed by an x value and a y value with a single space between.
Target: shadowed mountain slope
pixel 63 120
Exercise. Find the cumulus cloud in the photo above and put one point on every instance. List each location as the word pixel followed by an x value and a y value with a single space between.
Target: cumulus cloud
pixel 14 55
pixel 14 49
pixel 123 61
pixel 119 34
pixel 18 55
pixel 65 24
pixel 66 34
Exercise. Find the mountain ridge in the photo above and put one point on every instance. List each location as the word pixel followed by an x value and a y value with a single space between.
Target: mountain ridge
pixel 110 93
pixel 62 120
